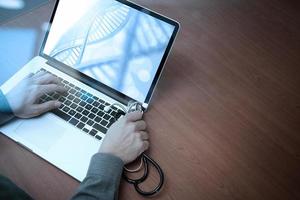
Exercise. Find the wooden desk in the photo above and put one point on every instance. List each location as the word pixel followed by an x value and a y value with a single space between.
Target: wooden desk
pixel 224 121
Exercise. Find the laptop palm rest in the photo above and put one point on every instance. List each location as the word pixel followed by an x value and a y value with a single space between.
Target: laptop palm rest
pixel 38 135
pixel 61 144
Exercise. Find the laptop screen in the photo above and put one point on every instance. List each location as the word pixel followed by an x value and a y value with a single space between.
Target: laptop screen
pixel 110 42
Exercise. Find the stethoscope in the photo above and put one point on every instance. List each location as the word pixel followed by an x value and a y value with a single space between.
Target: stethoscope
pixel 145 159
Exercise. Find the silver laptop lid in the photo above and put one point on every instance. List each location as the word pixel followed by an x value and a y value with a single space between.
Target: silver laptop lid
pixel 114 46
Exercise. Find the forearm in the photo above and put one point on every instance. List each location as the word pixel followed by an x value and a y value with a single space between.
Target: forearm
pixel 102 179
pixel 5 110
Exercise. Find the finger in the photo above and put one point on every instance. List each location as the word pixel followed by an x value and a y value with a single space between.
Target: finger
pixel 134 116
pixel 26 80
pixel 143 135
pixel 46 79
pixel 40 73
pixel 47 89
pixel 45 107
pixel 29 75
pixel 140 125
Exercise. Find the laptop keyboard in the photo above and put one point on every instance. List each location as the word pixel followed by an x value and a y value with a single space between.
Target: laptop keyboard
pixel 83 110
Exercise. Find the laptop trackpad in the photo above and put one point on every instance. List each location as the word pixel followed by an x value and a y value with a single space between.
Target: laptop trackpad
pixel 38 133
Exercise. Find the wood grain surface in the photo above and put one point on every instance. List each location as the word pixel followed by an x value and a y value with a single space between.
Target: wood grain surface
pixel 225 118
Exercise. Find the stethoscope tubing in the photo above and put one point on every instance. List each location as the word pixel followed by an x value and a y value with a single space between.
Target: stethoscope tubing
pixel 136 182
pixel 145 159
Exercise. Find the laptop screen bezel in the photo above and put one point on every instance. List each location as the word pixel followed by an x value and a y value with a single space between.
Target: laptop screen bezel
pixel 113 93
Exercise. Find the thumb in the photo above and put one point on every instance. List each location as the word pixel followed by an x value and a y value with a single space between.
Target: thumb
pixel 134 116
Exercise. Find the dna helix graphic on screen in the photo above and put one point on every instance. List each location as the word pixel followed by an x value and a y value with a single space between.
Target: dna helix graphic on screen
pixel 103 26
pixel 116 45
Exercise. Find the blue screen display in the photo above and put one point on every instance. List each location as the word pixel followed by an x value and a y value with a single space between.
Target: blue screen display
pixel 110 42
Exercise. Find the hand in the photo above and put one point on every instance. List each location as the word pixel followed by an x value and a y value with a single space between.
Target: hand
pixel 126 138
pixel 24 98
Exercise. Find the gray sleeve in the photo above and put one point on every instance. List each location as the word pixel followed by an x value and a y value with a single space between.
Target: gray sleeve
pixel 5 110
pixel 102 179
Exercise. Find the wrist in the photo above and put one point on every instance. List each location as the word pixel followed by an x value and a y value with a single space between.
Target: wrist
pixel 109 156
pixel 111 153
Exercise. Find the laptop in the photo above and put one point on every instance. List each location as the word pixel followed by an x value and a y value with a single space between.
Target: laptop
pixel 104 52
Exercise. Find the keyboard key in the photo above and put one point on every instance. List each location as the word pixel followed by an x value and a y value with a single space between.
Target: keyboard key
pixel 113 113
pixel 65 82
pixel 62 99
pixel 106 104
pixel 72 91
pixel 65 94
pixel 90 122
pixel 91 116
pixel 95 98
pixel 85 112
pixel 98 137
pixel 85 130
pixel 101 106
pixel 68 102
pixel 95 110
pixel 83 119
pixel 56 96
pixel 78 94
pixel 88 106
pixel 106 116
pixel 72 112
pixel 61 114
pixel 101 101
pixel 110 123
pixel 89 94
pixel 98 119
pixel 48 98
pixel 121 112
pixel 66 109
pixel 71 85
pixel 80 125
pixel 100 113
pixel 82 103
pixel 71 97
pixel 109 111
pixel 100 128
pixel 84 97
pixel 79 109
pixel 76 100
pixel 93 132
pixel 77 88
pixel 44 96
pixel 78 116
pixel 73 121
pixel 73 106
pixel 90 101
pixel 104 122
pixel 96 103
